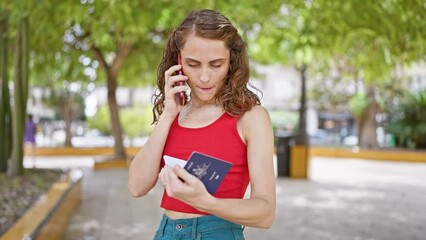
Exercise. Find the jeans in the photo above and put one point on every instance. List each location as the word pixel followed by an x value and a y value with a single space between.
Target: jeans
pixel 201 228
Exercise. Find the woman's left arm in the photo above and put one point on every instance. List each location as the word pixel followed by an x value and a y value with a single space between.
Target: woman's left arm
pixel 259 210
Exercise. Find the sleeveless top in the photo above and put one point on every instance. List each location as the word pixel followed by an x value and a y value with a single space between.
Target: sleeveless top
pixel 219 139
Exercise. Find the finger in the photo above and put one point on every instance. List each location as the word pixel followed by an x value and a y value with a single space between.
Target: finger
pixel 171 177
pixel 173 82
pixel 171 71
pixel 180 89
pixel 170 93
pixel 184 175
pixel 174 186
pixel 161 176
pixel 176 78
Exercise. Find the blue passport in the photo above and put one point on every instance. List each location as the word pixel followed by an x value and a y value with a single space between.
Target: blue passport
pixel 210 170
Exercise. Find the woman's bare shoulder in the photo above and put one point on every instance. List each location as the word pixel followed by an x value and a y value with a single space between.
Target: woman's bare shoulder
pixel 254 122
pixel 258 113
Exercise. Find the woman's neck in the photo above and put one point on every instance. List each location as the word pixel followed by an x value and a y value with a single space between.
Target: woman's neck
pixel 196 103
pixel 201 112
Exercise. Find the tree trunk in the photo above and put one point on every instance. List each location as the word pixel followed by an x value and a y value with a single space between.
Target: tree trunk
pixel 119 151
pixel 20 89
pixel 360 123
pixel 302 135
pixel 5 121
pixel 368 124
pixel 112 75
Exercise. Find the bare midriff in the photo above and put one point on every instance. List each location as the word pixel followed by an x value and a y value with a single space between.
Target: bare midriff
pixel 181 215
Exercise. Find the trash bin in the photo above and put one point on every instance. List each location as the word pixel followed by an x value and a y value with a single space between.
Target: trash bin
pixel 283 144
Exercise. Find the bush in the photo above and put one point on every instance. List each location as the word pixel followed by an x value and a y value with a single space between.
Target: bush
pixel 282 120
pixel 408 123
pixel 135 121
pixel 101 121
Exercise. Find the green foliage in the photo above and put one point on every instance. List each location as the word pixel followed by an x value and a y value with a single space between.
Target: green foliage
pixel 100 121
pixel 407 123
pixel 359 104
pixel 370 37
pixel 373 36
pixel 137 121
pixel 283 120
pixel 326 100
pixel 290 36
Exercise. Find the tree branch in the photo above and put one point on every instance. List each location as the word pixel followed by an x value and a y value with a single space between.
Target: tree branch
pixel 123 51
pixel 100 57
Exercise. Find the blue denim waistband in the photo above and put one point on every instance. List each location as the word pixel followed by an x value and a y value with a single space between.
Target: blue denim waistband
pixel 193 226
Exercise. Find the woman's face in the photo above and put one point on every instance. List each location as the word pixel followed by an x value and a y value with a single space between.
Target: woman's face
pixel 205 63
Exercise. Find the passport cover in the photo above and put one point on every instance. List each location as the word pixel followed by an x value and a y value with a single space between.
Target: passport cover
pixel 210 170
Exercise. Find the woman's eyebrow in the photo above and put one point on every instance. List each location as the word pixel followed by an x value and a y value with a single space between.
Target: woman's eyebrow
pixel 214 60
pixel 218 60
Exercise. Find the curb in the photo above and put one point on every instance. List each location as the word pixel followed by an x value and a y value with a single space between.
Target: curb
pixel 319 151
pixel 48 217
pixel 71 151
pixel 380 154
pixel 111 164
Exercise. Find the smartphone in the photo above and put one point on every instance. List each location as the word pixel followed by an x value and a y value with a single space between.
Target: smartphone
pixel 180 96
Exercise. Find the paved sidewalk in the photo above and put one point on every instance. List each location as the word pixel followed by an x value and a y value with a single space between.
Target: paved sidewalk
pixel 345 199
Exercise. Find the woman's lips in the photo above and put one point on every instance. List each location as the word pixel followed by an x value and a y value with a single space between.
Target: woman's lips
pixel 204 89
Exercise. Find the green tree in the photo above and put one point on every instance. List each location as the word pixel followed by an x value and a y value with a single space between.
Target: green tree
pixel 19 15
pixel 290 37
pixel 380 37
pixel 372 37
pixel 5 112
pixel 68 102
pixel 127 37
pixel 20 94
pixel 65 88
pixel 113 32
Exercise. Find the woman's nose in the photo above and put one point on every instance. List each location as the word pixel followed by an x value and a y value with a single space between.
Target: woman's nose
pixel 204 77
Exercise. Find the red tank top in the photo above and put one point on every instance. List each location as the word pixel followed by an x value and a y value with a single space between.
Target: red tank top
pixel 219 139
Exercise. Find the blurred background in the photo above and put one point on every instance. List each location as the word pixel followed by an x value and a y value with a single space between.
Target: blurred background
pixel 355 72
pixel 342 74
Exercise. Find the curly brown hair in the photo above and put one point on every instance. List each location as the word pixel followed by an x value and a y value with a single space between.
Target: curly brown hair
pixel 234 96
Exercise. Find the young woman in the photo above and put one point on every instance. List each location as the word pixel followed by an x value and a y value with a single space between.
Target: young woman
pixel 221 118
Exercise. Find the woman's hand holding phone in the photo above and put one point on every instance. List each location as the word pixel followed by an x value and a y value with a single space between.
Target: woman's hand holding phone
pixel 173 90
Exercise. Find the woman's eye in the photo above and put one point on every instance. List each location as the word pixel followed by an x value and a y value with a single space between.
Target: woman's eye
pixel 216 66
pixel 192 65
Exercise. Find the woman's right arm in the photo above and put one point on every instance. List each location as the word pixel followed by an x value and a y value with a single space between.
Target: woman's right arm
pixel 145 166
